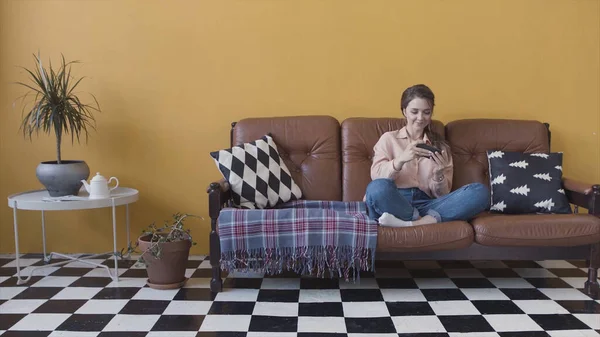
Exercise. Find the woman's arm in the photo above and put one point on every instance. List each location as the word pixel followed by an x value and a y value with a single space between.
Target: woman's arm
pixel 441 184
pixel 383 161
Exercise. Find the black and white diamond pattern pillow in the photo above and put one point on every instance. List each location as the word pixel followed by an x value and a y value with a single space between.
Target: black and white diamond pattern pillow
pixel 257 175
pixel 527 183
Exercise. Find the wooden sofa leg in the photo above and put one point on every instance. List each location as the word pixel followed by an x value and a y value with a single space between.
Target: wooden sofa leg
pixel 216 283
pixel 217 196
pixel 591 285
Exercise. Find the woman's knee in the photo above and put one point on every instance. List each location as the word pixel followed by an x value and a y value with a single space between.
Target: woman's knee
pixel 481 194
pixel 380 188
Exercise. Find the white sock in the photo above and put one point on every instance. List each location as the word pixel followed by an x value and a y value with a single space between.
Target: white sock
pixel 387 219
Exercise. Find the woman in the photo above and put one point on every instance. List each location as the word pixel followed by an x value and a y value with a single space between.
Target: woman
pixel 411 186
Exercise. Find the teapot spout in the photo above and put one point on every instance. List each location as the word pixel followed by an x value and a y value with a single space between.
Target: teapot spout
pixel 86 185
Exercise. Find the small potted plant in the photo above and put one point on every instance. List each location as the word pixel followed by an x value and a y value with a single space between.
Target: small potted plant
pixel 58 110
pixel 165 251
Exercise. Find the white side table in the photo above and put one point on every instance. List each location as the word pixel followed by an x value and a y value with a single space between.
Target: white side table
pixel 40 200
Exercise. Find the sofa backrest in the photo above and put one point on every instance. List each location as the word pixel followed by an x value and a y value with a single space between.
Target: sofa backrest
pixel 309 146
pixel 471 138
pixel 359 136
pixel 330 161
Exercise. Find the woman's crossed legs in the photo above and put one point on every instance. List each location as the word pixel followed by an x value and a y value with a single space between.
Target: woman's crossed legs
pixel 406 207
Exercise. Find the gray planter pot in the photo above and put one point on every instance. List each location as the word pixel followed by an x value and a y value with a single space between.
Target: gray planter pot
pixel 64 178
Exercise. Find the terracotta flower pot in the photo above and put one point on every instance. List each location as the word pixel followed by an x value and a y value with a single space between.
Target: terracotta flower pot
pixel 167 272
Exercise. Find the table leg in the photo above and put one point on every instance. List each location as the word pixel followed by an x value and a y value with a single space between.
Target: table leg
pixel 127 221
pixel 114 221
pixel 46 257
pixel 16 225
pixel 69 259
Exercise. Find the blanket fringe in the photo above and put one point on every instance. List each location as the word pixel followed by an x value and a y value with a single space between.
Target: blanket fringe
pixel 340 261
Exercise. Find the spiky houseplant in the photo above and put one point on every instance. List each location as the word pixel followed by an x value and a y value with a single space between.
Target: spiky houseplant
pixel 57 109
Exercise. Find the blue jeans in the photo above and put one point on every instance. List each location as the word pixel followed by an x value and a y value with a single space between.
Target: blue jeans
pixel 411 203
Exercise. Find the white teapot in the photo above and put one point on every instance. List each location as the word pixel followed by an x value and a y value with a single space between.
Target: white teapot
pixel 98 186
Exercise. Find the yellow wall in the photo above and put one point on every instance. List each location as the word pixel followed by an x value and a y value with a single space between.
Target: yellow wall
pixel 171 75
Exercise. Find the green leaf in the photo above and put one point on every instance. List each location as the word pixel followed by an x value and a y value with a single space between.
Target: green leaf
pixel 55 107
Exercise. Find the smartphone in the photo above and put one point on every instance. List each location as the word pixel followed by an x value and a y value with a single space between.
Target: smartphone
pixel 428 147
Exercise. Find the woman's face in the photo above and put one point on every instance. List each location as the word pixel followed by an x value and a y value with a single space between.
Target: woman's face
pixel 418 114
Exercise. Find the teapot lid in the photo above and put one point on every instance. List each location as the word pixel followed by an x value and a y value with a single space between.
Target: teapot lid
pixel 98 177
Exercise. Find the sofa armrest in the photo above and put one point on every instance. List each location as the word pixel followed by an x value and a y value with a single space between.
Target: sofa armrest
pixel 218 194
pixel 583 194
pixel 577 186
pixel 222 184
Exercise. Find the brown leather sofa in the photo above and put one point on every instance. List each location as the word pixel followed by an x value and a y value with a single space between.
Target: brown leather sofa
pixel 331 161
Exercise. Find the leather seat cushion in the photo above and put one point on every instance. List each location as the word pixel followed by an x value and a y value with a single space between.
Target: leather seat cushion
pixel 536 229
pixel 439 236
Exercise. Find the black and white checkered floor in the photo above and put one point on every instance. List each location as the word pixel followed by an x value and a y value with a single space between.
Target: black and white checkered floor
pixel 425 298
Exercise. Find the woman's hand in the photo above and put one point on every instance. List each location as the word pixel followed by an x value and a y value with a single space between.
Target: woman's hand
pixel 410 152
pixel 442 162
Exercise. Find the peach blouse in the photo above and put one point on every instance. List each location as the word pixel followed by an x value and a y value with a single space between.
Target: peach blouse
pixel 416 173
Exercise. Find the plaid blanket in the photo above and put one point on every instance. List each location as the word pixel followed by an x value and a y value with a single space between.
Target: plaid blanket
pixel 307 237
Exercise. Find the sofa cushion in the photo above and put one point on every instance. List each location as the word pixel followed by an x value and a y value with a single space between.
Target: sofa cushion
pixel 256 174
pixel 536 229
pixel 471 138
pixel 359 136
pixel 308 145
pixel 527 183
pixel 439 236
